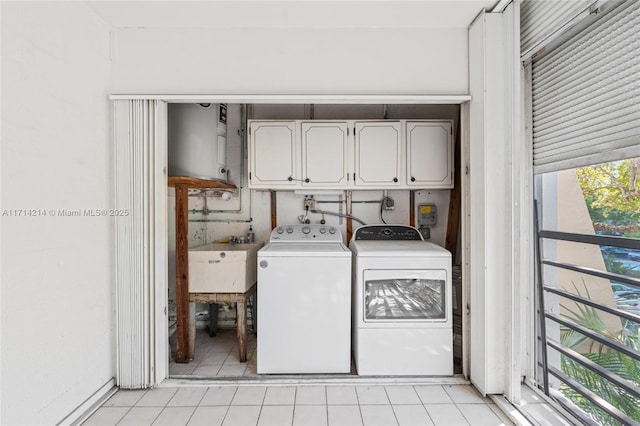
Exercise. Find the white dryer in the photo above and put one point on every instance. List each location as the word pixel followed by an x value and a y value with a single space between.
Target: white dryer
pixel 402 307
pixel 304 302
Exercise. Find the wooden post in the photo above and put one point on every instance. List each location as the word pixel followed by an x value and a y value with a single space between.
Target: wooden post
pixel 274 210
pixel 192 330
pixel 182 273
pixel 241 315
pixel 412 208
pixel 184 352
pixel 453 221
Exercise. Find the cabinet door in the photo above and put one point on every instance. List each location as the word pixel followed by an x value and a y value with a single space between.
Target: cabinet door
pixel 429 154
pixel 273 154
pixel 324 154
pixel 378 148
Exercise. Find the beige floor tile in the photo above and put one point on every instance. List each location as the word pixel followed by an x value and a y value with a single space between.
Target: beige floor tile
pixel 214 358
pixel 465 394
pixel 181 369
pixel 372 395
pixel 311 395
pixel 174 416
pixel 412 415
pixel 342 395
pixel 233 370
pixel 433 394
pixel 310 415
pixel 206 371
pixel 242 415
pixel 402 395
pixel 344 415
pixel 106 416
pixel 187 397
pixel 276 415
pixel 445 415
pixel 158 397
pixel 140 416
pixel 221 395
pixel 280 395
pixel 249 395
pixel 378 415
pixel 208 416
pixel 125 398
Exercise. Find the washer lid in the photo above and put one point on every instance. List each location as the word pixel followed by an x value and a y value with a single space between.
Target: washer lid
pixel 291 249
pixel 397 248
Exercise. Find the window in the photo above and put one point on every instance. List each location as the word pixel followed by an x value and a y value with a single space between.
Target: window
pixel 589 269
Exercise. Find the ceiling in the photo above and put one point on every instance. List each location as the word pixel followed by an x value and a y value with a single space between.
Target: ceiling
pixel 291 13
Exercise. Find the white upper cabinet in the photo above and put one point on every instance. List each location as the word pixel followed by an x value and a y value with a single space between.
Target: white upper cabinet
pixel 350 154
pixel 378 154
pixel 273 154
pixel 429 154
pixel 324 154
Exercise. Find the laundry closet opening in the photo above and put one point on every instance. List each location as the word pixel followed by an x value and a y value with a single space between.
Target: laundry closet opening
pixel 307 178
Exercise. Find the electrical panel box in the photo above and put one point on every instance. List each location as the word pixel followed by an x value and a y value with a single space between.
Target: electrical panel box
pixel 427 215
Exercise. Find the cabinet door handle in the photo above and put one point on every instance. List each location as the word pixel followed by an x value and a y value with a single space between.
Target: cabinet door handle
pixel 413 179
pixel 395 179
pixel 307 180
pixel 290 178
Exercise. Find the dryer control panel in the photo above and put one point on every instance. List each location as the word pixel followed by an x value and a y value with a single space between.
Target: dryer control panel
pixel 387 233
pixel 306 233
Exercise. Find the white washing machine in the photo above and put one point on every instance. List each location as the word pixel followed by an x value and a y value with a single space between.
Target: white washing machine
pixel 304 302
pixel 402 307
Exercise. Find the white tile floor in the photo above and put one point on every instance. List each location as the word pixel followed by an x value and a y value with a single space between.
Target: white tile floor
pixel 306 405
pixel 279 404
pixel 218 356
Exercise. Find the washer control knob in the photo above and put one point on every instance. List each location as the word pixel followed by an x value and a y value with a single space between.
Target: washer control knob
pixel 323 230
pixel 279 230
pixel 306 229
pixel 332 231
pixel 289 230
pixel 386 231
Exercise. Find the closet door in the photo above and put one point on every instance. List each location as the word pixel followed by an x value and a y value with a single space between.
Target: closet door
pixel 141 250
pixel 324 153
pixel 430 154
pixel 378 154
pixel 273 155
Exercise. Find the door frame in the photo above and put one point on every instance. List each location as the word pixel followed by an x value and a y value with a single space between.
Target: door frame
pixel 160 363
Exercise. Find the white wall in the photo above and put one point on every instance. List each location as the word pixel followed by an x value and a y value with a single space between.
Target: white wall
pixel 290 61
pixel 57 272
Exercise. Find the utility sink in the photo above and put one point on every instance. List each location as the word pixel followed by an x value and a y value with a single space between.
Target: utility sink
pixel 223 267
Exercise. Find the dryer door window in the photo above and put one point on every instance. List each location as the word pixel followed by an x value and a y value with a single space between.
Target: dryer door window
pixel 408 298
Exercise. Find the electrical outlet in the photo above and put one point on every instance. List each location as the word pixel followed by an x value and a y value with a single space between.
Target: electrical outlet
pixel 309 204
pixel 388 203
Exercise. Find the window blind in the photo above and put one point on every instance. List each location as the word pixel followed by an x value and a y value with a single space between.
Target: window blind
pixel 586 94
pixel 541 20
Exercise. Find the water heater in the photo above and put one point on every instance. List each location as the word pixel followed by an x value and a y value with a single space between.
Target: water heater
pixel 197 139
